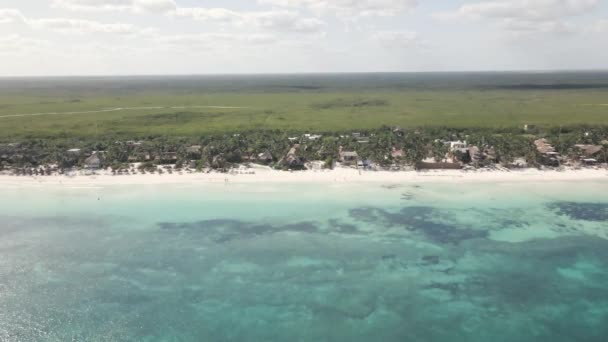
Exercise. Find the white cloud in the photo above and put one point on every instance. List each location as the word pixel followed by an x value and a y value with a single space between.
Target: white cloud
pixel 78 26
pixel 213 41
pixel 523 9
pixel 600 26
pixel 550 26
pixel 116 5
pixel 19 45
pixel 284 21
pixel 349 8
pixel 545 16
pixel 9 15
pixel 70 25
pixel 400 39
pixel 208 14
pixel 271 20
pixel 154 5
pixel 280 21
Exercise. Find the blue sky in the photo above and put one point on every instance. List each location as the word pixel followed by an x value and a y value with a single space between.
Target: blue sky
pixel 110 37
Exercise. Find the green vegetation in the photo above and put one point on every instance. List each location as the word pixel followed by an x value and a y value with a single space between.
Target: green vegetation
pixel 303 103
pixel 220 121
pixel 386 147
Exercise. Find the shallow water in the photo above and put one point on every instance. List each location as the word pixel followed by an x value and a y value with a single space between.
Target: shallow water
pixel 398 262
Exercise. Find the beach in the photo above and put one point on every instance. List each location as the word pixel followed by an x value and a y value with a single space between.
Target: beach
pixel 260 174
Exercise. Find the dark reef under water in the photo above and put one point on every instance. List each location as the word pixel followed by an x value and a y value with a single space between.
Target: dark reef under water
pixel 414 273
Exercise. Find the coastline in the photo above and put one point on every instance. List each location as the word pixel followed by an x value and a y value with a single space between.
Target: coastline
pixel 263 175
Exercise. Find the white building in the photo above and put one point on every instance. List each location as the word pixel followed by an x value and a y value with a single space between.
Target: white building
pixel 457 145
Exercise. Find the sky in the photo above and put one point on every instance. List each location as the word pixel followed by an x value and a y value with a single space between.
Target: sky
pixel 156 37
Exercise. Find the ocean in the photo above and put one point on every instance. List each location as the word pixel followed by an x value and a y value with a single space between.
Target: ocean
pixel 305 262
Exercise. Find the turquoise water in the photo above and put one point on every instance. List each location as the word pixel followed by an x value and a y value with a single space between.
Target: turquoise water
pixel 366 262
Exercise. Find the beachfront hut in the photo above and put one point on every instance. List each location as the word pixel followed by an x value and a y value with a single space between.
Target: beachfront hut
pixel 167 157
pixel 219 161
pixel 265 157
pixel 194 151
pixel 349 157
pixel 475 154
pixel 589 151
pixel 543 146
pixel 549 156
pixel 292 160
pixel 93 162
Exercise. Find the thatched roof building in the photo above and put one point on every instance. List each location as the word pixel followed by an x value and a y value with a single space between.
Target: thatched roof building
pixel 589 150
pixel 265 157
pixel 543 146
pixel 93 162
pixel 292 160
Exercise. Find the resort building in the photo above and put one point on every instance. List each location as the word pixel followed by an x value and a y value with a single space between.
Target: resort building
pixel 194 149
pixel 348 157
pixel 543 146
pixel 589 151
pixel 167 157
pixel 219 161
pixel 457 145
pixel 549 156
pixel 265 157
pixel 93 162
pixel 292 160
pixel 475 154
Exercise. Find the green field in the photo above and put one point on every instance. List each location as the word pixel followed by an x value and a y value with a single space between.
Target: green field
pixel 300 103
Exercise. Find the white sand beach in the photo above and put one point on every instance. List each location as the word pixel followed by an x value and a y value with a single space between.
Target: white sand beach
pixel 260 174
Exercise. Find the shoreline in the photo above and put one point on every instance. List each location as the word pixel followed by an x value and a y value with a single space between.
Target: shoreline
pixel 336 176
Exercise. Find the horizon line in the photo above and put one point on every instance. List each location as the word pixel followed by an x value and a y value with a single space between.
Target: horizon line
pixel 514 71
